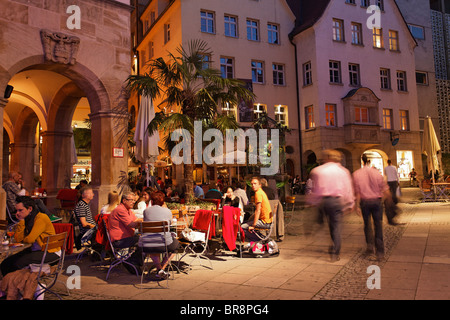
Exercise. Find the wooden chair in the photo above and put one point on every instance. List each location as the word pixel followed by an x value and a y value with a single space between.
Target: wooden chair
pixel 46 281
pixel 3 225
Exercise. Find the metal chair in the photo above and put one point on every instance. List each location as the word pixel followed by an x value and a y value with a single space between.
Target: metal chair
pixel 426 190
pixel 290 207
pixel 47 281
pixel 152 230
pixel 13 220
pixel 87 246
pixel 198 248
pixel 267 231
pixel 119 256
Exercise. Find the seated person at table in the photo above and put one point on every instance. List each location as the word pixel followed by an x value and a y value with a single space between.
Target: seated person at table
pixel 14 188
pixel 113 202
pixel 170 193
pixel 83 214
pixel 142 203
pixel 213 193
pixel 159 213
pixel 198 191
pixel 33 228
pixel 229 199
pixel 262 218
pixel 122 225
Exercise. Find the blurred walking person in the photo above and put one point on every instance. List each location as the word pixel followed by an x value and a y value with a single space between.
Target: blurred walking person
pixel 370 188
pixel 332 194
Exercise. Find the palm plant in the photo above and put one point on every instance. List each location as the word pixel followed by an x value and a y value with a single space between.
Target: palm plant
pixel 189 90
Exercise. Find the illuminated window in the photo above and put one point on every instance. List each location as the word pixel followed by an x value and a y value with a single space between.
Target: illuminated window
pixel 378 38
pixel 404 120
pixel 309 117
pixel 393 40
pixel 281 114
pixel 330 115
pixel 258 110
pixel 361 115
pixel 387 119
pixel 229 110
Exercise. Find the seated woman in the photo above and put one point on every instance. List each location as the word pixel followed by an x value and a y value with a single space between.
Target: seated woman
pixel 113 202
pixel 143 203
pixel 33 228
pixel 230 199
pixel 159 213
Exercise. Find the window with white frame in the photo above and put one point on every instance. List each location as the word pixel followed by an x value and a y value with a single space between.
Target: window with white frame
pixel 278 74
pixel 151 49
pixel 350 1
pixel 309 117
pixel 258 110
pixel 404 120
pixel 252 30
pixel 166 33
pixel 206 61
pixel 273 33
pixel 307 74
pixel 421 77
pixel 338 30
pixel 229 110
pixel 385 78
pixel 227 67
pixel 257 71
pixel 231 26
pixel 365 3
pixel 401 81
pixel 281 114
pixel 353 71
pixel 380 4
pixel 361 115
pixel 335 71
pixel 378 38
pixel 207 21
pixel 393 40
pixel 387 119
pixel 330 115
pixel 357 33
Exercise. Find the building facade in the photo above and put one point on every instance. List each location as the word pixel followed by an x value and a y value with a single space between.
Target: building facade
pixel 358 90
pixel 249 40
pixel 440 25
pixel 56 58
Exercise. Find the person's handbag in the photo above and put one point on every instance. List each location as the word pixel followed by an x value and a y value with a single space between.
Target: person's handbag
pixel 398 192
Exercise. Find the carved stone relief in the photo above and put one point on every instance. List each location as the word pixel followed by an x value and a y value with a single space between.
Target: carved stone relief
pixel 59 47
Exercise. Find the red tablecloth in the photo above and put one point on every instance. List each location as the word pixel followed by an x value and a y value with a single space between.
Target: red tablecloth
pixel 63 227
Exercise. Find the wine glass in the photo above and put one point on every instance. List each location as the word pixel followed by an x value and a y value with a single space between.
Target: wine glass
pixel 10 233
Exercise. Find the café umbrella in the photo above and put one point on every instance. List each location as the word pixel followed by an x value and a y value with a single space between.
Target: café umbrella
pixel 146 150
pixel 431 147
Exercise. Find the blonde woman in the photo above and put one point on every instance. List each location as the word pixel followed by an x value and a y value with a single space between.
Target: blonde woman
pixel 113 202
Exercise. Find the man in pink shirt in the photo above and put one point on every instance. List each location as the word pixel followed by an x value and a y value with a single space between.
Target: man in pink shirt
pixel 122 224
pixel 370 188
pixel 332 193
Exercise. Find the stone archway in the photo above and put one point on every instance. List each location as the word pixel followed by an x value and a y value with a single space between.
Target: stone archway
pixel 103 100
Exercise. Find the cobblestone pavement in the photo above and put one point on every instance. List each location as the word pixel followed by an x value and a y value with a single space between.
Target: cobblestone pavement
pixel 303 271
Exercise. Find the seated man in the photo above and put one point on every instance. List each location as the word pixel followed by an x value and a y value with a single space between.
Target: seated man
pixel 83 213
pixel 122 225
pixel 213 193
pixel 262 218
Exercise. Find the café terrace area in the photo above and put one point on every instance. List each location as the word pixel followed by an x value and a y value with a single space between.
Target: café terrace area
pixel 416 265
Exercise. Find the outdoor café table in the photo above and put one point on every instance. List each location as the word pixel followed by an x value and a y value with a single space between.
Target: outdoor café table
pixel 11 249
pixel 440 193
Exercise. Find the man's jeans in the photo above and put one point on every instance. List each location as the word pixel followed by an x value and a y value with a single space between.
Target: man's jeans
pixel 373 208
pixel 331 208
